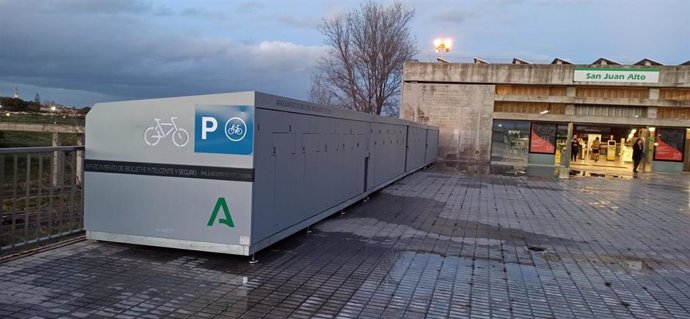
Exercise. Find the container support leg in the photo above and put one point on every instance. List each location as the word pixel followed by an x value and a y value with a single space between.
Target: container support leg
pixel 253 260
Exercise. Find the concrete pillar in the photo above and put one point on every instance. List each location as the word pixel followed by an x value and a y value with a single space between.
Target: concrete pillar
pixel 653 93
pixel 651 112
pixel 570 109
pixel 564 171
pixel 571 91
pixel 79 169
pixel 56 162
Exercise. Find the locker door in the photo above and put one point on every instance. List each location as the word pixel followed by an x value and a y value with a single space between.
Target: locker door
pixel 310 147
pixel 331 174
pixel 286 187
pixel 347 156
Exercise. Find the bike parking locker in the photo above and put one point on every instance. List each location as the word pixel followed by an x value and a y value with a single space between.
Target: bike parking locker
pixel 234 173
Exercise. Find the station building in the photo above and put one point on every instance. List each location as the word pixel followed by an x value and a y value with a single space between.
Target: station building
pixel 529 113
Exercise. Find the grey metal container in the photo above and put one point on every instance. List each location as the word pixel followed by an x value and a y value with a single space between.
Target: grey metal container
pixel 234 173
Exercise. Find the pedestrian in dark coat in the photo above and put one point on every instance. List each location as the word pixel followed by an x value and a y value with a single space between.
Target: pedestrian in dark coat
pixel 638 154
pixel 574 148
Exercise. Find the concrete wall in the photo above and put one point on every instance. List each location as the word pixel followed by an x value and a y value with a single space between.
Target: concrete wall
pixel 463 115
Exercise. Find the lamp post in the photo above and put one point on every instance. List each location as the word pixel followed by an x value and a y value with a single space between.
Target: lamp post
pixel 443 46
pixel 52 114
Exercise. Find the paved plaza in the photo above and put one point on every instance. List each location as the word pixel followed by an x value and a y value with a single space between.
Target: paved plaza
pixel 437 244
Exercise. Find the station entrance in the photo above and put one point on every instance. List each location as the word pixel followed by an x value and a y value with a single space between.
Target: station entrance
pixel 549 144
pixel 607 147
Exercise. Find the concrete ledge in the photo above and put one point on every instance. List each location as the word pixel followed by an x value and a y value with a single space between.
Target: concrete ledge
pixel 632 121
pixel 591 100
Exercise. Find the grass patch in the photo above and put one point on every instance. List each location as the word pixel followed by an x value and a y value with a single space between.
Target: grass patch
pixel 33 139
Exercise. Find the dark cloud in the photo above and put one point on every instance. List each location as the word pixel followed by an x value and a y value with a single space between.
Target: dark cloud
pixel 129 57
pixel 96 7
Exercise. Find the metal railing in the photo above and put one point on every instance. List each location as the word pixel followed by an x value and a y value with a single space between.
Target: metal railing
pixel 41 194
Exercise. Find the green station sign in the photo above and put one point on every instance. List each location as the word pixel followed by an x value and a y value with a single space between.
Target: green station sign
pixel 620 75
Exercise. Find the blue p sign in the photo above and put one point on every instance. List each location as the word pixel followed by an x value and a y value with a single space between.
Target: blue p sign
pixel 225 129
pixel 209 124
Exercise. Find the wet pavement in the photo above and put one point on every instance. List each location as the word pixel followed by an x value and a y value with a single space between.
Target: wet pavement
pixel 437 244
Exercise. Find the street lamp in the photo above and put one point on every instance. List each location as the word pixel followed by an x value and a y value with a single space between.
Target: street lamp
pixel 443 45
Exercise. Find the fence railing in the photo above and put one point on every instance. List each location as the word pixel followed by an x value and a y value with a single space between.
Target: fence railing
pixel 41 194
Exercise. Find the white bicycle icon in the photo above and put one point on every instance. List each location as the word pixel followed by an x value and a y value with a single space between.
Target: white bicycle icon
pixel 154 134
pixel 235 129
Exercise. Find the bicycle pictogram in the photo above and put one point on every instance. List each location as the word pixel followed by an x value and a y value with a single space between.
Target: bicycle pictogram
pixel 235 129
pixel 154 134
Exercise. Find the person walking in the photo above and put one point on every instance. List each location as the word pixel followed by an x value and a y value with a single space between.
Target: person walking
pixel 638 154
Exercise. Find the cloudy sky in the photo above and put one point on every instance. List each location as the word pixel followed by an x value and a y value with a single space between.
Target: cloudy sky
pixel 79 52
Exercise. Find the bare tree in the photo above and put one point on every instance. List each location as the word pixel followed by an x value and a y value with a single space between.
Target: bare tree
pixel 363 69
pixel 320 92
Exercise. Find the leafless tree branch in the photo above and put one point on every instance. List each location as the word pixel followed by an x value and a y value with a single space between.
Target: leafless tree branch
pixel 363 70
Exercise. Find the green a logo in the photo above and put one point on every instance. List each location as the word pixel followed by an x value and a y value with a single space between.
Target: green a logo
pixel 227 220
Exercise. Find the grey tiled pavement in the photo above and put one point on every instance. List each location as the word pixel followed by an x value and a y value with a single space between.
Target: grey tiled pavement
pixel 436 244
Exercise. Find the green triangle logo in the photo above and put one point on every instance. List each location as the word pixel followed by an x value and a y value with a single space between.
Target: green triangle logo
pixel 220 203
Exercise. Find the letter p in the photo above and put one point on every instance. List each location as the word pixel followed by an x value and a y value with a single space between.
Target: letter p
pixel 206 128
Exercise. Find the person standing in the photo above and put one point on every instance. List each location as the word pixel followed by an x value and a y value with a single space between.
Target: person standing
pixel 574 148
pixel 596 145
pixel 638 154
pixel 582 147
